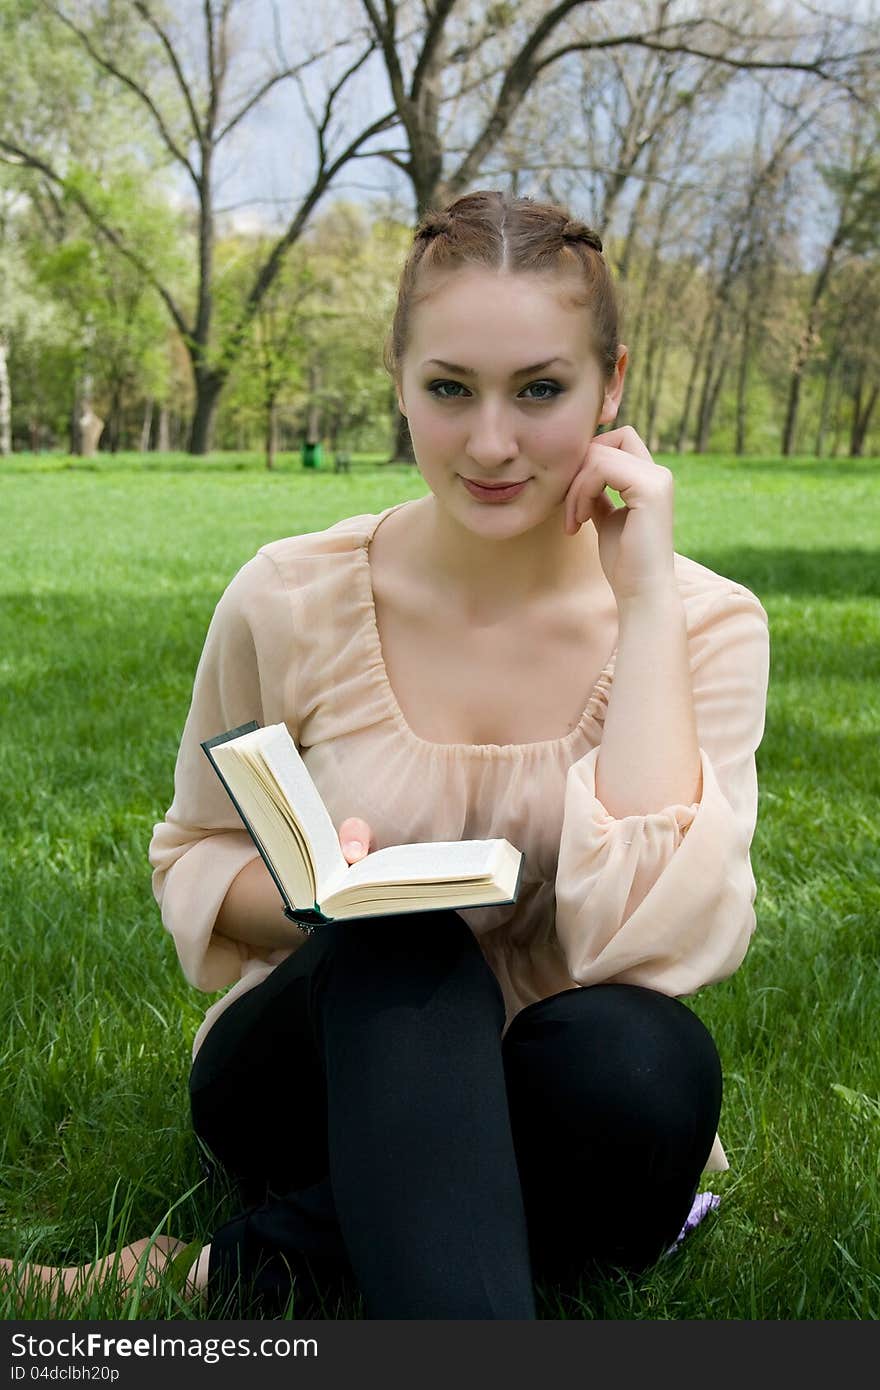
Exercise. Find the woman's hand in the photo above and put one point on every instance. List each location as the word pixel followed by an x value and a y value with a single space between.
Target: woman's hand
pixel 636 547
pixel 354 838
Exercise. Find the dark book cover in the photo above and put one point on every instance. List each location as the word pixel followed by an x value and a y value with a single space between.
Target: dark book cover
pixel 308 916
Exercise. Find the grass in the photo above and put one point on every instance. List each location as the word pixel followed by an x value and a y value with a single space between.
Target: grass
pixel 109 574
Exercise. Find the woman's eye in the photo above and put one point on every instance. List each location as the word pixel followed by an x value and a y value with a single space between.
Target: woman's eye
pixel 435 389
pixel 554 387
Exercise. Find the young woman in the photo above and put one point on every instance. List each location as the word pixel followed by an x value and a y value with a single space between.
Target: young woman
pixel 444 1106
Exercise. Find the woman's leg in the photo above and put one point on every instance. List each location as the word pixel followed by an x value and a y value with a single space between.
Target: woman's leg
pixel 614 1093
pixel 398 1021
pixel 257 1097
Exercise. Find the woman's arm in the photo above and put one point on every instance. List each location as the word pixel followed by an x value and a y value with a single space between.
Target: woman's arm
pixel 649 756
pixel 252 911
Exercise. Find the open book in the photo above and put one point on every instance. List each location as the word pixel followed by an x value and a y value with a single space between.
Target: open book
pixel 270 787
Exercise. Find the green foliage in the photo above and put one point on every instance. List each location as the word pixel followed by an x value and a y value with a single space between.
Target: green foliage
pixel 98 646
pixel 326 314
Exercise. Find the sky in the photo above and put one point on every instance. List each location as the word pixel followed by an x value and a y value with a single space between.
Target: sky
pixel 268 164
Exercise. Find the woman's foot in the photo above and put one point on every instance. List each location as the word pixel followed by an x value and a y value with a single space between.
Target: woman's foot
pixel 123 1265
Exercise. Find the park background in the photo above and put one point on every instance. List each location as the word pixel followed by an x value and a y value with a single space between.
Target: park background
pixel 203 213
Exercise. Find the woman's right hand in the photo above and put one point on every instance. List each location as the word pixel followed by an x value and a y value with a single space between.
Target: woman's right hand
pixel 354 839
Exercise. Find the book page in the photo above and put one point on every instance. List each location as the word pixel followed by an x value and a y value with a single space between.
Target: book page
pixel 283 760
pixel 432 862
pixel 368 892
pixel 269 821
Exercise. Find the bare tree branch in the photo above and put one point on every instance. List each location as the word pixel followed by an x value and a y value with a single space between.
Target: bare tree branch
pixel 815 67
pixel 266 87
pixel 384 32
pixel 271 266
pixel 439 14
pixel 213 84
pixel 146 14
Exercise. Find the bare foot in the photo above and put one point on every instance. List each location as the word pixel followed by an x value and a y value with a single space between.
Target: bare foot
pixel 122 1265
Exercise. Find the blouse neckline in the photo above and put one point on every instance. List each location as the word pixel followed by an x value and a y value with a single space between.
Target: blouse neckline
pixel 595 702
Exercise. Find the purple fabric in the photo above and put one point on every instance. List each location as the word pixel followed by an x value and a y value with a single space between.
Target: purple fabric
pixel 704 1202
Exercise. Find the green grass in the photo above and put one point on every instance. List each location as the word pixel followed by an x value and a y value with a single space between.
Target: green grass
pixel 109 574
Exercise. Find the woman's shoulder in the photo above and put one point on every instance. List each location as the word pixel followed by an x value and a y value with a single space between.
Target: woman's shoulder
pixel 342 538
pixel 296 567
pixel 707 592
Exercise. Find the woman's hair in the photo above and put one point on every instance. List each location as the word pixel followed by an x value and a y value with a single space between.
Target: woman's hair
pixel 488 228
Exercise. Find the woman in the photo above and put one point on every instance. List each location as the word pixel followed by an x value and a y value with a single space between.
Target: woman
pixel 444 1106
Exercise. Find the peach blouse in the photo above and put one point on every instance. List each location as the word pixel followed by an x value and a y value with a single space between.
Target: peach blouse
pixel 663 900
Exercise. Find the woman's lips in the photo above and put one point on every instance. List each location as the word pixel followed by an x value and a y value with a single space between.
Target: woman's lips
pixel 494 494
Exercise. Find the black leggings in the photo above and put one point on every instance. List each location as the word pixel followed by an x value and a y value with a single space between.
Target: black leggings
pixel 363 1099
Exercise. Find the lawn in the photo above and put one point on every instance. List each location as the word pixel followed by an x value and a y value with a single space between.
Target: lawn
pixel 109 574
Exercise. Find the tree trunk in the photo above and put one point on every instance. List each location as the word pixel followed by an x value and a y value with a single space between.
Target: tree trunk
pixel 114 429
pixel 794 400
pixel 742 377
pixel 712 403
pixel 825 408
pixel 660 354
pixel 208 388
pixel 163 434
pixel 714 378
pixel 271 432
pixel 313 415
pixel 692 385
pixel 146 427
pixel 807 339
pixel 704 409
pixel 839 423
pixel 403 447
pixel 5 401
pixel 86 426
pixel 861 420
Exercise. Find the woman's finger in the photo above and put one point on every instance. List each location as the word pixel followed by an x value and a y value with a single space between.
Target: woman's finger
pixel 597 508
pixel 627 439
pixel 354 837
pixel 626 472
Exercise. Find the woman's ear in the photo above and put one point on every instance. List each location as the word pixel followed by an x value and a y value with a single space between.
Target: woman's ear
pixel 614 388
pixel 399 388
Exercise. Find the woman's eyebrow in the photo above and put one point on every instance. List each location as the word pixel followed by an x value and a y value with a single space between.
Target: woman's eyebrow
pixel 469 371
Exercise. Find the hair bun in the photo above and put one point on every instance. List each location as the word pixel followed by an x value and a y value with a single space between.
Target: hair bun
pixel 433 224
pixel 579 231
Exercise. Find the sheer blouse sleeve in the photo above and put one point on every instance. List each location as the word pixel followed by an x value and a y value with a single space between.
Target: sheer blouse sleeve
pixel 665 900
pixel 246 671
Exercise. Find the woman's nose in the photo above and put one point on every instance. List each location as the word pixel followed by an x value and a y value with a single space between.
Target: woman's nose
pixel 492 439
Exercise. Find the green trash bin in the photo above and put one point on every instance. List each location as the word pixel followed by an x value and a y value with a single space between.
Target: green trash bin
pixel 311 455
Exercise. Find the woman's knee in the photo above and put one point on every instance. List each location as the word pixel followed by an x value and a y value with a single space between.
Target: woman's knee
pixel 640 1056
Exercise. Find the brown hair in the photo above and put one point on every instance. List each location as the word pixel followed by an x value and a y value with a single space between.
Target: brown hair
pixel 488 228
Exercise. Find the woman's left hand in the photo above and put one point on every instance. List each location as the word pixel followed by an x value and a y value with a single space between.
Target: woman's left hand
pixel 636 546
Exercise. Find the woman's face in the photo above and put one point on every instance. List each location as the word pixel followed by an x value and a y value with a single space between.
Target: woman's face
pixel 497 422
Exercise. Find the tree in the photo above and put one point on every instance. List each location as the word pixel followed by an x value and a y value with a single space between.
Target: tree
pixel 192 111
pixel 855 187
pixel 32 329
pixel 317 348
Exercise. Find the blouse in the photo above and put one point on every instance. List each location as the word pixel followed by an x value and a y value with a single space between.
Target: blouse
pixel 664 900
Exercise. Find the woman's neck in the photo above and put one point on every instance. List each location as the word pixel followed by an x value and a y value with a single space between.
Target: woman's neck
pixel 489 578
